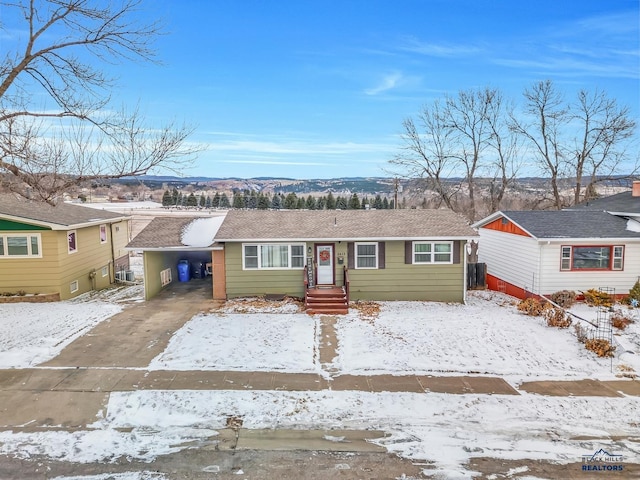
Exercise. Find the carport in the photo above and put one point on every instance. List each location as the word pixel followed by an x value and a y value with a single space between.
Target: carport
pixel 167 241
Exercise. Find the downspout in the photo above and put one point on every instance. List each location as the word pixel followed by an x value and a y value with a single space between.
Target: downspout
pixel 112 271
pixel 465 273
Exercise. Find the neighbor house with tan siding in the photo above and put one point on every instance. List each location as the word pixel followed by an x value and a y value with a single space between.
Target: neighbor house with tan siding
pixel 327 257
pixel 65 250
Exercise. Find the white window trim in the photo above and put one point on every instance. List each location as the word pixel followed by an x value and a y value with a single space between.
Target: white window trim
pixel 355 255
pixel 106 234
pixel 260 267
pixel 614 257
pixel 29 236
pixel 75 234
pixel 74 286
pixel 433 252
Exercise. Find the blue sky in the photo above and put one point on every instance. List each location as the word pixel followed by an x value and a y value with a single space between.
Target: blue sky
pixel 318 89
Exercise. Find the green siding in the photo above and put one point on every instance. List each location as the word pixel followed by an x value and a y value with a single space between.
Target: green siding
pixel 249 283
pixel 397 281
pixel 8 225
pixel 400 281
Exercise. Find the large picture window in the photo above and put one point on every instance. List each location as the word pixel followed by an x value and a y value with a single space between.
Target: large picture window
pixel 273 256
pixel 19 246
pixel 607 257
pixel 432 252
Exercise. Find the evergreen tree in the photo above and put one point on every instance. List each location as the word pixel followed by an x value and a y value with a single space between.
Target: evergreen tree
pixel 392 205
pixel 224 201
pixel 174 196
pixel 385 203
pixel 354 202
pixel 180 199
pixel 301 203
pixel 207 202
pixel 238 200
pixel 251 199
pixel 377 202
pixel 364 203
pixel 341 203
pixel 276 203
pixel 291 201
pixel 192 201
pixel 215 203
pixel 167 200
pixel 203 200
pixel 263 202
pixel 331 202
pixel 310 204
pixel 321 203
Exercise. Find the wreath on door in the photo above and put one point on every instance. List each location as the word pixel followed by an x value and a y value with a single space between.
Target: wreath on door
pixel 324 255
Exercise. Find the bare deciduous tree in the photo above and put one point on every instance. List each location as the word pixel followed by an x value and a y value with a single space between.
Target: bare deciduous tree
pixel 547 114
pixel 467 136
pixel 427 154
pixel 74 136
pixel 600 146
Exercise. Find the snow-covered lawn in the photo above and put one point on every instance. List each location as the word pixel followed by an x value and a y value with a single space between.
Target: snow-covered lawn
pixel 250 342
pixel 486 336
pixel 32 333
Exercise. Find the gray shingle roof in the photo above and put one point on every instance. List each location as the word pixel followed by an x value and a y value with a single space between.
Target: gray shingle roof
pixel 342 225
pixel 62 215
pixel 620 203
pixel 571 224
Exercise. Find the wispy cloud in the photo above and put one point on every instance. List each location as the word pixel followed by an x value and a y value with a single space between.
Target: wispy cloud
pixel 414 45
pixel 388 82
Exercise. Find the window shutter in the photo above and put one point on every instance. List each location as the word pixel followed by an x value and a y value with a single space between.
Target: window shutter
pixel 351 255
pixel 408 252
pixel 456 251
pixel 381 255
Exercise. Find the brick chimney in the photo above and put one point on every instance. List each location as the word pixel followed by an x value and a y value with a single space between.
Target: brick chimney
pixel 635 192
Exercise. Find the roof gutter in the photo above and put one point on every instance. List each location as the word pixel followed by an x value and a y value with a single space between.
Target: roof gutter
pixel 343 239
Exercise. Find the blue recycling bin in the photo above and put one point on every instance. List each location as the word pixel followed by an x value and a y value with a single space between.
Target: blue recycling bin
pixel 183 271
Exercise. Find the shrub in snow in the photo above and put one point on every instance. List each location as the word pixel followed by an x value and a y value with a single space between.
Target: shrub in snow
pixel 556 317
pixel 564 298
pixel 600 346
pixel 533 307
pixel 597 298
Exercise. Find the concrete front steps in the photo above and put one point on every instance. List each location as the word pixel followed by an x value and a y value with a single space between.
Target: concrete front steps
pixel 326 301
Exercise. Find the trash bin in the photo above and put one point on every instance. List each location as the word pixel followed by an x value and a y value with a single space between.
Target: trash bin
pixel 197 269
pixel 183 271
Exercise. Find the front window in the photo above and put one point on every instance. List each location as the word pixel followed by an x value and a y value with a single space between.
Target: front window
pixel 592 257
pixel 72 241
pixel 273 256
pixel 432 252
pixel 366 255
pixel 19 246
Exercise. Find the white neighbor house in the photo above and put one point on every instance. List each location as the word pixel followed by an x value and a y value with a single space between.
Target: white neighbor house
pixel 541 252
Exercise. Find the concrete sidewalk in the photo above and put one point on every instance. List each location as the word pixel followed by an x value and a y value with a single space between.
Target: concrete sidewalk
pixel 73 397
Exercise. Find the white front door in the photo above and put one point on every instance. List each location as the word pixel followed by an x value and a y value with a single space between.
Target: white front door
pixel 324 259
